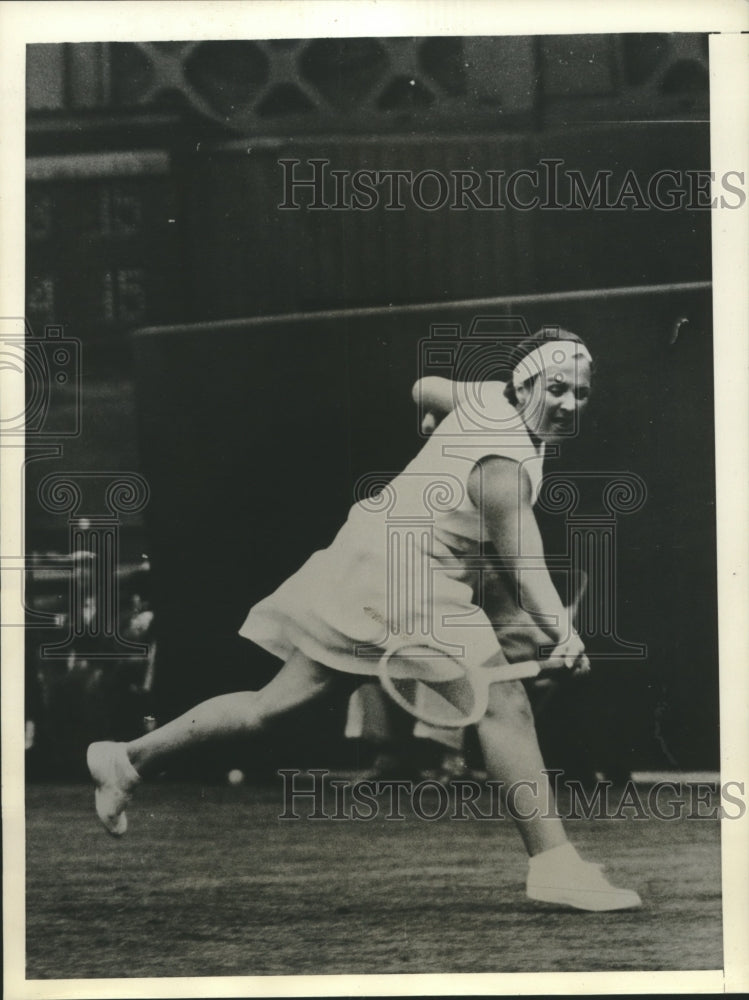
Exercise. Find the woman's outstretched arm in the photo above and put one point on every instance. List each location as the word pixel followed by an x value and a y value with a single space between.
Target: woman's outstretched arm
pixel 501 489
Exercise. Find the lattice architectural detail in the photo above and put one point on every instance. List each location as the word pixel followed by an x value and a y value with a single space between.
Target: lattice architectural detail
pixel 357 84
pixel 254 84
pixel 614 76
pixel 666 64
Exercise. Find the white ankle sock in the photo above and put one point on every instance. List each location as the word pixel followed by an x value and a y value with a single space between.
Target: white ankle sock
pixel 555 857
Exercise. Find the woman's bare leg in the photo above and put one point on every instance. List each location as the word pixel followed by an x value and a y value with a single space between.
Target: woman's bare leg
pixel 511 753
pixel 244 713
pixel 116 768
pixel 556 872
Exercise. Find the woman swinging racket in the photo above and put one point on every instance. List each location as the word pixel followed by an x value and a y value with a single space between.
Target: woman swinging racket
pixel 401 575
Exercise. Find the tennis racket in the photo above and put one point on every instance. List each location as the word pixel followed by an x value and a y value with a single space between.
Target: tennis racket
pixel 443 692
pixel 447 693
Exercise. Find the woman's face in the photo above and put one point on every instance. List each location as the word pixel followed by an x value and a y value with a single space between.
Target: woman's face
pixel 552 403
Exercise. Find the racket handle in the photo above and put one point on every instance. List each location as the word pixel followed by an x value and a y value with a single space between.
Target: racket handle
pixel 519 671
pixel 526 668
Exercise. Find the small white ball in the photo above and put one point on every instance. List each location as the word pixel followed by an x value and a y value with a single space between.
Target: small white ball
pixel 235 776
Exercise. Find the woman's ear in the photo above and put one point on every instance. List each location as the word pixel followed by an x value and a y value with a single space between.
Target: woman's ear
pixel 521 396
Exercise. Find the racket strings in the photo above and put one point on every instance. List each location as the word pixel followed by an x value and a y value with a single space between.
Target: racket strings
pixel 437 689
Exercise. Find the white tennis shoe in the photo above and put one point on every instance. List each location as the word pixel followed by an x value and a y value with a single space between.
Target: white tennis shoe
pixel 561 876
pixel 115 779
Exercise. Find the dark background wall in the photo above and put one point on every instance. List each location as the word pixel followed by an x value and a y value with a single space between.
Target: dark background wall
pixel 153 185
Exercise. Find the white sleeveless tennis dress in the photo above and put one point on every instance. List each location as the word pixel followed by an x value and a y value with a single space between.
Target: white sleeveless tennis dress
pixel 403 568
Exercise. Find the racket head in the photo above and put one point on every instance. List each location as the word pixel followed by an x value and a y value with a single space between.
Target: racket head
pixel 432 686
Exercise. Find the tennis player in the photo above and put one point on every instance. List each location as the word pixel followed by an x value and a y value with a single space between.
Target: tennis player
pixel 475 483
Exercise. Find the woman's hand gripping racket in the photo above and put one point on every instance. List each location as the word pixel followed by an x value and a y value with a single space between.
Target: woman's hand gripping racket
pixel 445 692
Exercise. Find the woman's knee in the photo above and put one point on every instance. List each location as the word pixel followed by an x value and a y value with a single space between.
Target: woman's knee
pixel 509 704
pixel 299 681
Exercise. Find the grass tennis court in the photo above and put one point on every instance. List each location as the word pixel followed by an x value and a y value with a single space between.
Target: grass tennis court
pixel 209 882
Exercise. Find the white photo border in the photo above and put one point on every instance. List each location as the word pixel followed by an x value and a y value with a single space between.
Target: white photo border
pixel 23 23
